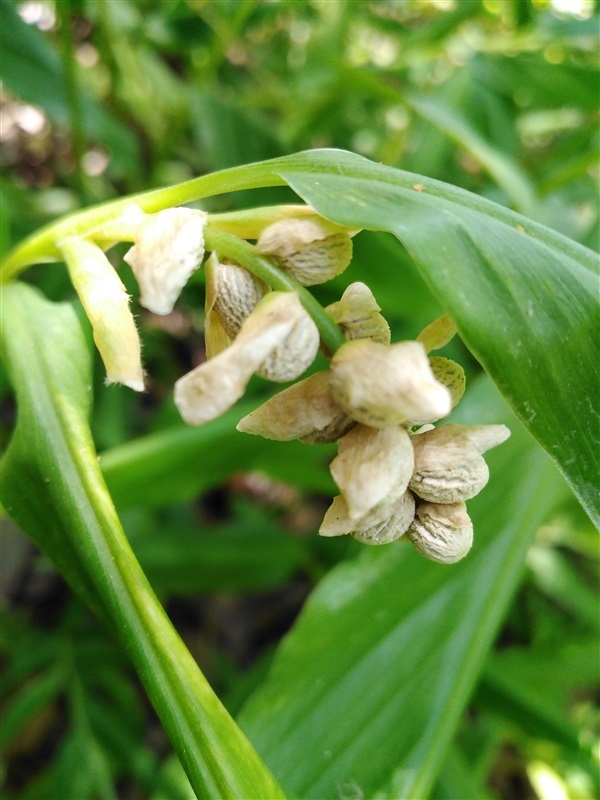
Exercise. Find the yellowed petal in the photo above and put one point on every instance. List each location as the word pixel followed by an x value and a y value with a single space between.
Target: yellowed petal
pixel 106 304
pixel 370 465
pixel 358 315
pixel 382 386
pixel 449 374
pixel 437 334
pixel 169 246
pixel 442 533
pixel 306 410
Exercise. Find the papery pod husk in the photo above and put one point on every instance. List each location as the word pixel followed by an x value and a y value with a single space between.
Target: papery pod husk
pixel 442 533
pixel 372 463
pixel 306 411
pixel 338 522
pixel 393 527
pixel 307 249
pixel 451 375
pixel 233 293
pixel 449 467
pixel 358 315
pixel 294 354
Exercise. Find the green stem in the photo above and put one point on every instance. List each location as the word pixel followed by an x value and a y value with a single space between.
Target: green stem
pixel 244 254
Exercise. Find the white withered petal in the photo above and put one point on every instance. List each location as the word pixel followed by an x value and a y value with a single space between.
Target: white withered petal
pixel 209 390
pixel 169 246
pixel 371 464
pixel 106 304
pixel 382 386
pixel 449 467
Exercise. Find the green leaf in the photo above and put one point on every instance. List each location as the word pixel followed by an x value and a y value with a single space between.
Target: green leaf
pixel 53 487
pixel 367 689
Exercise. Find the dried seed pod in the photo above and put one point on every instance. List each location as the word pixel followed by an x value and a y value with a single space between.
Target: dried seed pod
pixel 378 521
pixel 372 463
pixel 294 353
pixel 381 386
pixel 449 467
pixel 307 249
pixel 306 410
pixel 437 334
pixel 232 292
pixel 358 315
pixel 392 528
pixel 168 247
pixel 442 533
pixel 451 375
pixel 209 390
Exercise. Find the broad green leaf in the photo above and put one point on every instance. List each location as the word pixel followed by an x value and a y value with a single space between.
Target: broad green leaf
pixel 367 689
pixel 53 486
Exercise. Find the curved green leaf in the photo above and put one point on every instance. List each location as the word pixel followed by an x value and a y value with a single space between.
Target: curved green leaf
pixel 53 487
pixel 366 691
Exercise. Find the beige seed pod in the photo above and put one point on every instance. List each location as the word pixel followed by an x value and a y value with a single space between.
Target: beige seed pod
pixel 382 386
pixel 307 248
pixel 338 522
pixel 372 463
pixel 392 528
pixel 169 246
pixel 306 410
pixel 449 374
pixel 294 353
pixel 449 467
pixel 232 292
pixel 358 315
pixel 442 533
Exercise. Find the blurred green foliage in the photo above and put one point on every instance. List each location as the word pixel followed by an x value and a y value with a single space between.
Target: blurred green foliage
pixel 100 99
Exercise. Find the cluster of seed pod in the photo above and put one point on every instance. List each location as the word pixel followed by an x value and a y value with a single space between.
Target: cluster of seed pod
pixel 399 476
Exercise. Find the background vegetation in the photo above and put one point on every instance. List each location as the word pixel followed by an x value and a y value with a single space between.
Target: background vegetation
pixel 100 99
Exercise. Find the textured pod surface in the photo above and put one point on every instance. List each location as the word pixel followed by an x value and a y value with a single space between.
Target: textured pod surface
pixel 451 375
pixel 294 353
pixel 393 527
pixel 235 292
pixel 338 522
pixel 358 315
pixel 449 467
pixel 307 249
pixel 442 533
pixel 372 463
pixel 306 410
pixel 169 246
pixel 382 386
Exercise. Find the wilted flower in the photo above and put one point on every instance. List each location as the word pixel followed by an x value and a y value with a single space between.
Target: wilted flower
pixel 358 315
pixel 209 390
pixel 169 246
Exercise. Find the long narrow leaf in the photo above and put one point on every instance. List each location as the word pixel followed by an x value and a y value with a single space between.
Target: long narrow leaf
pixel 53 487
